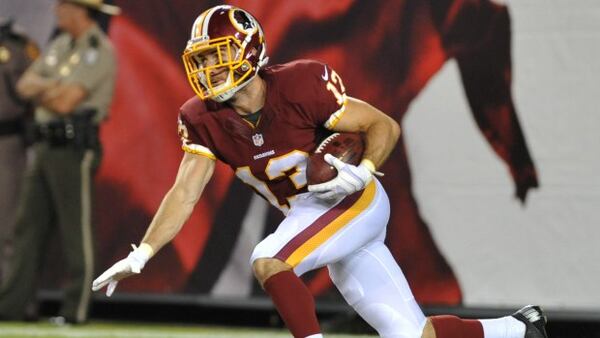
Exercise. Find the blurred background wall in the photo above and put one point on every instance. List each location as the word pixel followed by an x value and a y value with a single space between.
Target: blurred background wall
pixel 494 186
pixel 547 249
pixel 34 16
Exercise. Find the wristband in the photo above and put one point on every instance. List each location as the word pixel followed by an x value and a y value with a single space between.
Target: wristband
pixel 370 166
pixel 139 256
pixel 143 252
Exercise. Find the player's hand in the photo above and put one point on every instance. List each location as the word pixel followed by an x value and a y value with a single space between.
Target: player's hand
pixel 349 180
pixel 130 265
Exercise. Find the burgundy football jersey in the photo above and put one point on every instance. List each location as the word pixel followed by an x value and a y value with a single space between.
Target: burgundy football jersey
pixel 304 98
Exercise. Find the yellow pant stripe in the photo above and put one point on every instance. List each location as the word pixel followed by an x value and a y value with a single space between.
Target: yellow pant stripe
pixel 322 236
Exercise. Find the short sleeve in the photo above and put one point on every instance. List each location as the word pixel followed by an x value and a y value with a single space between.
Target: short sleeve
pixel 44 64
pixel 324 98
pixel 39 65
pixel 94 67
pixel 191 141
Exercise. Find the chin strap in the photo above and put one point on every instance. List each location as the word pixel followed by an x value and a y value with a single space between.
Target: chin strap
pixel 262 62
pixel 228 94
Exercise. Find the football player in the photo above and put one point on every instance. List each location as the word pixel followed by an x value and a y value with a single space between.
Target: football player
pixel 264 122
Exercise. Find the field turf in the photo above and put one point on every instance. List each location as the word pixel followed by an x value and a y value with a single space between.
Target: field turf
pixel 142 330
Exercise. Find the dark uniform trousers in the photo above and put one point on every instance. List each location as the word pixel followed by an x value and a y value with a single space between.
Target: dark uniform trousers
pixel 16 54
pixel 56 197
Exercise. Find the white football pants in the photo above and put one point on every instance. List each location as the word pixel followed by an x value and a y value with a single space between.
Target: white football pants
pixel 347 237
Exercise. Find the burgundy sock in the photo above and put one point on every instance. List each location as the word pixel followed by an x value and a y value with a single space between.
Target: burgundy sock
pixel 294 303
pixel 454 327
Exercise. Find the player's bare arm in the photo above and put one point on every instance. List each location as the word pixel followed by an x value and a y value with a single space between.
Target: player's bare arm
pixel 194 173
pixel 381 131
pixel 381 136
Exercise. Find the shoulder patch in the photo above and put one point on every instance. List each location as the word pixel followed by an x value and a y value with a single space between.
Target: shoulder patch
pixel 32 51
pixel 90 56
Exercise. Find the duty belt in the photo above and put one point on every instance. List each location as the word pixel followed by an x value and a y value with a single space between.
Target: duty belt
pixel 12 126
pixel 77 130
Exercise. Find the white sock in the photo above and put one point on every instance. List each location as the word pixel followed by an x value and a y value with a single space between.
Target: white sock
pixel 315 336
pixel 505 327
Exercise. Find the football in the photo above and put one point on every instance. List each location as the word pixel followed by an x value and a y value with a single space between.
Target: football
pixel 348 147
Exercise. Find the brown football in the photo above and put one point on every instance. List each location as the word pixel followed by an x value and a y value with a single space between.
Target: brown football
pixel 348 147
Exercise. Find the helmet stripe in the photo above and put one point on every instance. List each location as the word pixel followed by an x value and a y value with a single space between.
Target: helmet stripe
pixel 207 19
pixel 196 32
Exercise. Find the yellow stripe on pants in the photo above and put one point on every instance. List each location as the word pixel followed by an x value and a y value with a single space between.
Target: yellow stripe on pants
pixel 327 232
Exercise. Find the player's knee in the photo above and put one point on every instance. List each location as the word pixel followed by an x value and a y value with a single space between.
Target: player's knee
pixel 428 331
pixel 264 268
pixel 350 287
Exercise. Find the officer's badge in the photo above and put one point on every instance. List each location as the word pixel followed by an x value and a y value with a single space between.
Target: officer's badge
pixel 4 54
pixel 51 60
pixel 64 71
pixel 258 140
pixel 74 59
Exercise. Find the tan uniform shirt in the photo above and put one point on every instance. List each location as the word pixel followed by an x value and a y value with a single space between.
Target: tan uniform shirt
pixel 88 61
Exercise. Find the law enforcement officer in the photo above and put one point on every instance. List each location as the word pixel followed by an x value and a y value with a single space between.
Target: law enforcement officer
pixel 16 53
pixel 72 86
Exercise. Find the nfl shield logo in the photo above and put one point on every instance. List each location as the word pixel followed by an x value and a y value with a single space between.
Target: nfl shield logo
pixel 258 140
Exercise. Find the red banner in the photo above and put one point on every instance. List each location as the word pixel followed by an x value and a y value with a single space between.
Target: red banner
pixel 386 52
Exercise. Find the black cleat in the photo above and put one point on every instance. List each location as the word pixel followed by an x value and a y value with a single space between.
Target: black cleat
pixel 534 319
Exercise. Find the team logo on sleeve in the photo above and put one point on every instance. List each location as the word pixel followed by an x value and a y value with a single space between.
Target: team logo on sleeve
pixel 258 140
pixel 182 131
pixel 325 75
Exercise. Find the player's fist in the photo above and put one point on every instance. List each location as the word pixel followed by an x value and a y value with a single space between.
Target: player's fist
pixel 130 265
pixel 350 179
